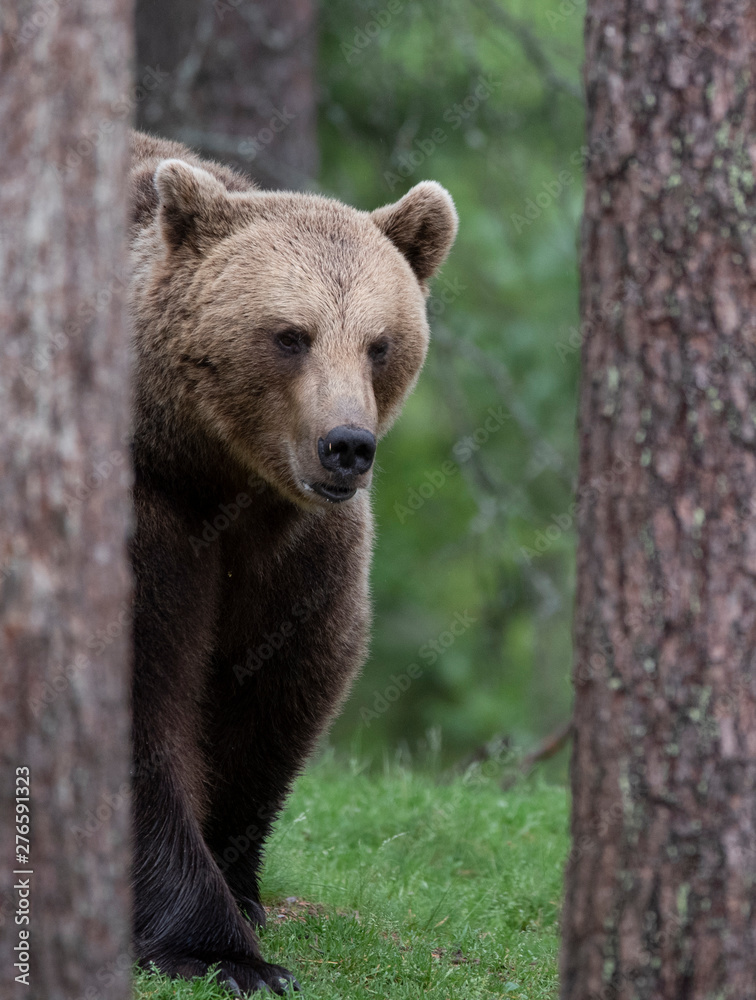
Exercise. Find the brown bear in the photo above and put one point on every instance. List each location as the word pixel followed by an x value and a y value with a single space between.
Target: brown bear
pixel 276 338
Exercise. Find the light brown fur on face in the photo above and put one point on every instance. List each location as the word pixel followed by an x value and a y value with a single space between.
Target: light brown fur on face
pixel 276 337
pixel 253 266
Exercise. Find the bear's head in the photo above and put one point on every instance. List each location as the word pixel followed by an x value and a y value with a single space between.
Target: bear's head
pixel 303 321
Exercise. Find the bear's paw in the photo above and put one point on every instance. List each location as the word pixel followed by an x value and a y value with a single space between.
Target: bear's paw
pixel 240 978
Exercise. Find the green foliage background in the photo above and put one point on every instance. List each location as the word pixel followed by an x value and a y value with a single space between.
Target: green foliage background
pixel 483 532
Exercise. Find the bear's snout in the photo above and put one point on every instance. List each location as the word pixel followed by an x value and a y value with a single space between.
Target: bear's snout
pixel 347 451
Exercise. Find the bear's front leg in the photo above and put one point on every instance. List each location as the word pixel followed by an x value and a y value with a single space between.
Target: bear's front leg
pixel 236 832
pixel 186 920
pixel 265 713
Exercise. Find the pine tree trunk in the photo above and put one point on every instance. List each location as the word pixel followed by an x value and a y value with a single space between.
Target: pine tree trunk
pixel 237 82
pixel 661 895
pixel 64 584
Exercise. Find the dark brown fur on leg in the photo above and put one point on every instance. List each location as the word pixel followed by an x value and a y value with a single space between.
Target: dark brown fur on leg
pixel 185 916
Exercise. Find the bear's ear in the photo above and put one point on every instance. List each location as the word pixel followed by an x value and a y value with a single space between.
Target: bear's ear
pixel 195 209
pixel 421 225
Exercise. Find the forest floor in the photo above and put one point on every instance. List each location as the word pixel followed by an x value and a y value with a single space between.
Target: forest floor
pixel 402 887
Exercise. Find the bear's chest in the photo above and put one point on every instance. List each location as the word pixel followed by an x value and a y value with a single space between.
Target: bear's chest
pixel 288 589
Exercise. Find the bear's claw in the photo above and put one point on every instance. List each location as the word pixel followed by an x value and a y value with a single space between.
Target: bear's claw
pixel 264 977
pixel 240 978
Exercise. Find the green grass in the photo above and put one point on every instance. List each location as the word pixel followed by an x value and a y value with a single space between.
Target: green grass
pixel 406 887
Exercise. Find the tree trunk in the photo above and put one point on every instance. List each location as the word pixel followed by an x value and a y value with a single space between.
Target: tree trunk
pixel 64 583
pixel 239 82
pixel 660 896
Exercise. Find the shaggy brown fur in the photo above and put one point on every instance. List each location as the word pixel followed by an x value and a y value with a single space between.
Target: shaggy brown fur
pixel 276 336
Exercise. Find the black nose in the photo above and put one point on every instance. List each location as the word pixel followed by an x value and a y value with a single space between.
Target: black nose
pixel 347 449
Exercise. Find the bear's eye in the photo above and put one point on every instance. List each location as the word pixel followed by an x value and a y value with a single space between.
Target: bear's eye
pixel 378 351
pixel 292 341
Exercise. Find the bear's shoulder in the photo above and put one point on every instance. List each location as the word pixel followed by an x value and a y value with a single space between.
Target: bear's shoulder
pixel 147 151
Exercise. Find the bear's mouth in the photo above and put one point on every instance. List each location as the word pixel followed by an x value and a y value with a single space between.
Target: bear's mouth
pixel 334 494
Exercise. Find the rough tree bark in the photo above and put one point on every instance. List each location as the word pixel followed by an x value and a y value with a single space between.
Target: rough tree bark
pixel 660 898
pixel 64 584
pixel 239 82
